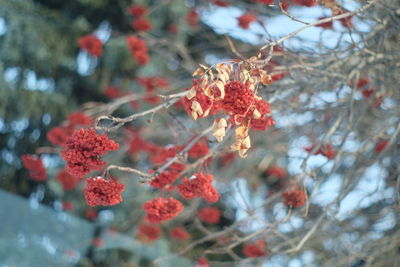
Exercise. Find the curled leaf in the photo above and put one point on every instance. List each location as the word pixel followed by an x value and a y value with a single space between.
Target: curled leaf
pixel 219 128
pixel 256 114
pixel 221 87
pixel 198 72
pixel 191 93
pixel 197 110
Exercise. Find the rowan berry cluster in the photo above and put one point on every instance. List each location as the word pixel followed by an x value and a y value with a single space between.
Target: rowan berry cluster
pixel 294 198
pixel 212 94
pixel 91 44
pixel 58 135
pixel 199 186
pixel 148 233
pixel 34 164
pixel 138 49
pixel 162 209
pixel 103 192
pixel 256 249
pixel 67 180
pixel 326 150
pixel 83 151
pixel 210 215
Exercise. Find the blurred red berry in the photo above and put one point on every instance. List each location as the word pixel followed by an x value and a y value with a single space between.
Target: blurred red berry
pixel 67 181
pixel 192 18
pixel 148 233
pixel 294 198
pixel 381 145
pixel 256 249
pixel 277 172
pixel 137 10
pixel 326 25
pixel 91 44
pixel 209 215
pixel 79 118
pixel 245 20
pixel 179 233
pixel 162 209
pixel 35 166
pixel 141 24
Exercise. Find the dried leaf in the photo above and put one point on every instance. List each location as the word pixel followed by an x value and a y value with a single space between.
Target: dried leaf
pixel 191 93
pixel 204 66
pixel 242 145
pixel 241 132
pixel 205 114
pixel 256 114
pixel 204 81
pixel 198 72
pixel 220 85
pixel 219 128
pixel 194 115
pixel 208 91
pixel 211 75
pixel 266 79
pixel 196 108
pixel 219 66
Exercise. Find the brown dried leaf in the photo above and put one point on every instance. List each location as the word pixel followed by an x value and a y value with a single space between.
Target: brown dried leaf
pixel 204 81
pixel 242 144
pixel 204 66
pixel 256 114
pixel 207 91
pixel 266 79
pixel 220 85
pixel 211 75
pixel 220 66
pixel 198 72
pixel 219 128
pixel 241 132
pixel 196 109
pixel 205 114
pixel 194 115
pixel 191 93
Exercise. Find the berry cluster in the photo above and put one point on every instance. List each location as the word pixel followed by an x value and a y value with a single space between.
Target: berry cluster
pixel 199 186
pixel 83 151
pixel 294 198
pixel 209 215
pixel 91 44
pixel 138 49
pixel 326 150
pixel 103 192
pixel 162 209
pixel 34 164
pixel 256 249
pixel 140 23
